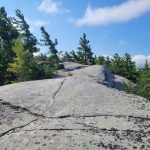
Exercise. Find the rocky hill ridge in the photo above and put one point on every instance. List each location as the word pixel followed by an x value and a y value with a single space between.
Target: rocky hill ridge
pixel 77 111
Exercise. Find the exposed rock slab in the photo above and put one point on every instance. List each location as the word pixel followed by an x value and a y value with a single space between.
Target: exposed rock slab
pixel 74 112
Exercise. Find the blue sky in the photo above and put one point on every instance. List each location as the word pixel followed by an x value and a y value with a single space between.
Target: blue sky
pixel 112 26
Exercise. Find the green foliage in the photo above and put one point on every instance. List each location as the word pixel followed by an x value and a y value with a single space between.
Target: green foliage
pixel 142 86
pixel 7 34
pixel 41 57
pixel 30 41
pixel 22 65
pixel 52 45
pixel 75 57
pixel 130 71
pixel 48 71
pixel 84 53
pixel 17 62
pixel 123 66
pixel 61 66
pixel 68 57
pixel 100 60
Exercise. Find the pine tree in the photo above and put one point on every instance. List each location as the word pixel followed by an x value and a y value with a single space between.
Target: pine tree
pixel 30 41
pixel 108 62
pixel 84 52
pixel 67 56
pixel 143 82
pixel 100 60
pixel 130 71
pixel 116 64
pixel 7 34
pixel 90 57
pixel 52 45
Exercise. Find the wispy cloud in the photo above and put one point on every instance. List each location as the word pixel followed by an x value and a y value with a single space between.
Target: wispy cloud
pixel 140 59
pixel 36 23
pixel 49 6
pixel 120 13
pixel 52 7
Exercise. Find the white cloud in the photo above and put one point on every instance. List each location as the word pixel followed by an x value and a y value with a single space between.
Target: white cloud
pixel 49 6
pixel 140 59
pixel 36 23
pixel 114 14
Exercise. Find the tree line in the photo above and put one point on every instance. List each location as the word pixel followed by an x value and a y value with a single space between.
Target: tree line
pixel 18 62
pixel 17 48
pixel 124 66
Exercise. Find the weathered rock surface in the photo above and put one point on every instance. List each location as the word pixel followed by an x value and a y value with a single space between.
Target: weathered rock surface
pixel 73 112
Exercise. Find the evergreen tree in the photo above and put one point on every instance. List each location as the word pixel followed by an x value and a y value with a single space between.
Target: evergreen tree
pixel 41 57
pixel 108 62
pixel 123 66
pixel 143 82
pixel 7 34
pixel 84 52
pixel 142 86
pixel 100 60
pixel 117 63
pixel 74 56
pixel 130 71
pixel 30 41
pixel 22 65
pixel 67 56
pixel 52 45
pixel 90 58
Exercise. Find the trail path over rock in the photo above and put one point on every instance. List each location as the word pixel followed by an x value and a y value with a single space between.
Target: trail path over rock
pixel 73 112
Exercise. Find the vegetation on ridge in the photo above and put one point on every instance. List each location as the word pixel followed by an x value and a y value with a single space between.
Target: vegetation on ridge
pixel 18 62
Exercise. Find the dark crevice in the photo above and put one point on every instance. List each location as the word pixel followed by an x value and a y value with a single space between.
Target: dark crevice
pixel 60 86
pixel 19 109
pixel 103 115
pixel 110 130
pixel 15 128
pixel 91 128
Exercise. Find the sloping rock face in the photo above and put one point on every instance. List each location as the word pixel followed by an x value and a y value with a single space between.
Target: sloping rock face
pixel 74 112
pixel 102 74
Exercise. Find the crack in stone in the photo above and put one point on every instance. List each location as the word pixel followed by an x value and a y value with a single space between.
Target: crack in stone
pixel 103 115
pixel 54 95
pixel 86 129
pixel 91 128
pixel 15 128
pixel 111 129
pixel 20 109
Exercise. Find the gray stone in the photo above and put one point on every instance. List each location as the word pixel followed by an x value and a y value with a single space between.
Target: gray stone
pixel 74 112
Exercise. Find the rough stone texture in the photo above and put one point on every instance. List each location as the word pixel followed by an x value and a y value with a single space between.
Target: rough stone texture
pixel 101 73
pixel 73 112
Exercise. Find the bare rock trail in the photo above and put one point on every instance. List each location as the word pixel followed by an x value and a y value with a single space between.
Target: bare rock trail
pixel 82 111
